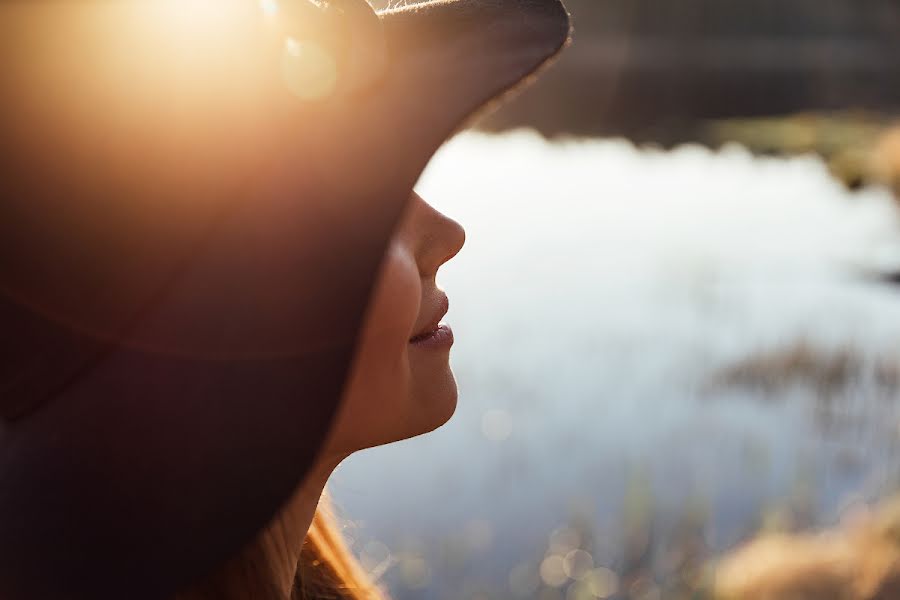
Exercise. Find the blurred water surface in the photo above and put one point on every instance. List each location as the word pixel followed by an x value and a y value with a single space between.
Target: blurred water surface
pixel 657 354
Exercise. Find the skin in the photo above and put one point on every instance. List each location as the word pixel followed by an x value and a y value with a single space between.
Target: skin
pixel 397 389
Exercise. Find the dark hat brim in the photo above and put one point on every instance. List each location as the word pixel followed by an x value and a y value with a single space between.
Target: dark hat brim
pixel 154 425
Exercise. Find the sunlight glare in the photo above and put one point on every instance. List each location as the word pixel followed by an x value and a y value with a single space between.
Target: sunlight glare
pixel 199 15
pixel 309 71
pixel 269 7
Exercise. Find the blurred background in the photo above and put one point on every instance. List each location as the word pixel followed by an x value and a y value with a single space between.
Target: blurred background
pixel 677 320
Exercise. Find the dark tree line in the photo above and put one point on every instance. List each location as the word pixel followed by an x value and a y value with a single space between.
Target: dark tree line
pixel 658 70
pixel 739 18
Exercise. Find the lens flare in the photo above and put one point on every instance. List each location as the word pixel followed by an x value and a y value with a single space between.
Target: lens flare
pixel 309 71
pixel 269 7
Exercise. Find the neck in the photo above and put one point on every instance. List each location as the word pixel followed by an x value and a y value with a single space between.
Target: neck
pixel 280 544
pixel 267 567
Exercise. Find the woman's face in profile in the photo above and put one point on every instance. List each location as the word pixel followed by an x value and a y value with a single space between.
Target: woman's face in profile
pixel 401 384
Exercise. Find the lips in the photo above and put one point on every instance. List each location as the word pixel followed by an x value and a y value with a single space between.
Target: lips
pixel 433 325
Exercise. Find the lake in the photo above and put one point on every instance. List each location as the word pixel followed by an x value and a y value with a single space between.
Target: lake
pixel 658 353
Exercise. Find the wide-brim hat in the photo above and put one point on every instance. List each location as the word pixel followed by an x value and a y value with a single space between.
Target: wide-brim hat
pixel 192 218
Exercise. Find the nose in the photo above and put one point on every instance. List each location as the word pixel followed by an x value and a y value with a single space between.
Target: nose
pixel 440 237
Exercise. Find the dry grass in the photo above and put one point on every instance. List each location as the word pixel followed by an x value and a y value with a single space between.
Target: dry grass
pixel 885 160
pixel 827 372
pixel 859 561
pixel 860 149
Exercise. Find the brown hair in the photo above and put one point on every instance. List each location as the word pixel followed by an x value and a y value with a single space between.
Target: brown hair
pixel 326 570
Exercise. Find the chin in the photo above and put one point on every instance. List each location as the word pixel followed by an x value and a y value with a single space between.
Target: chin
pixel 445 406
pixel 435 403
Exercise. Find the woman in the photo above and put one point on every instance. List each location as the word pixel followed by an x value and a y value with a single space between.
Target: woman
pixel 199 200
pixel 400 385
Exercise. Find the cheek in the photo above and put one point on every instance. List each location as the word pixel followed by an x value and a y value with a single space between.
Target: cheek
pixel 392 312
pixel 378 391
